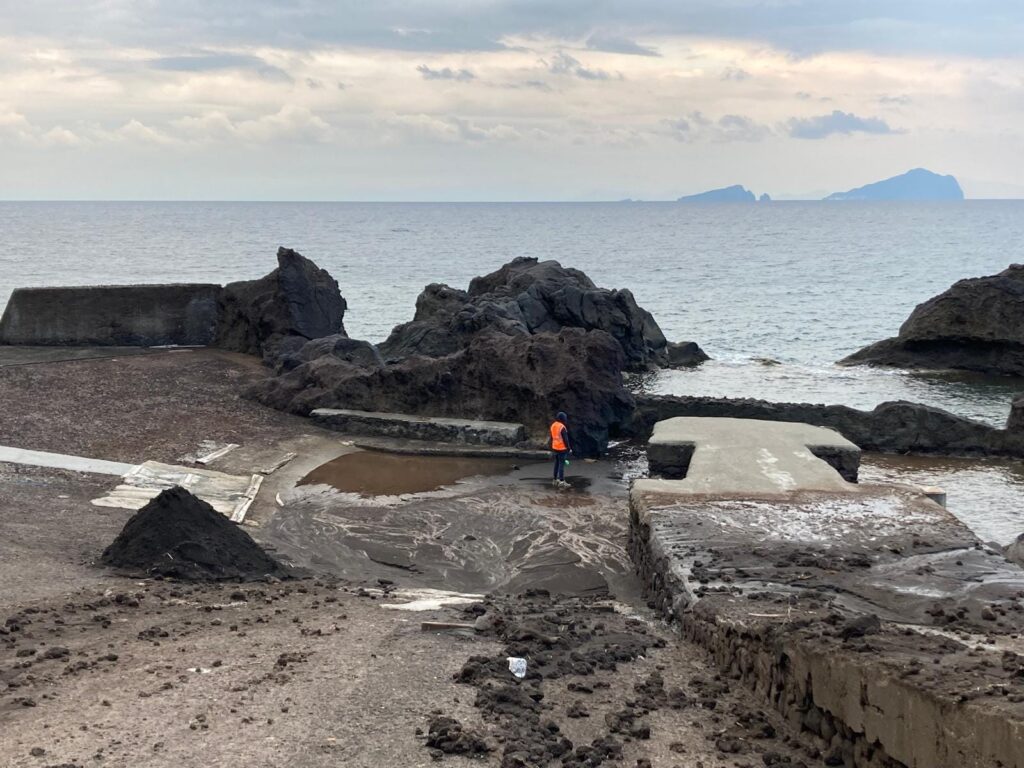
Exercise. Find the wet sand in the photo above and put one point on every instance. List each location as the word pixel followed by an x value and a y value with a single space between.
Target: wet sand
pixel 375 473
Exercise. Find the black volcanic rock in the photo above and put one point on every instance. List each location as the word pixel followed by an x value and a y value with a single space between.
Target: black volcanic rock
pixel 179 535
pixel 976 325
pixel 526 297
pixel 275 315
pixel 685 354
pixel 522 377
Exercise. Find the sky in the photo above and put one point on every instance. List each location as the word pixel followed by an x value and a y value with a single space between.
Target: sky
pixel 482 100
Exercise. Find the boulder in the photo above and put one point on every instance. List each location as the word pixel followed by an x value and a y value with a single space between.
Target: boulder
pixel 527 297
pixel 685 354
pixel 1015 421
pixel 976 325
pixel 523 378
pixel 276 315
pixel 1014 551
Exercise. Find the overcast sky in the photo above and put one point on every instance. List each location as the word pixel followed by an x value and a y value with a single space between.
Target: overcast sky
pixel 504 100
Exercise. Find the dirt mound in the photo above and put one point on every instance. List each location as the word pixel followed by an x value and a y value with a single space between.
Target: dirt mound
pixel 179 535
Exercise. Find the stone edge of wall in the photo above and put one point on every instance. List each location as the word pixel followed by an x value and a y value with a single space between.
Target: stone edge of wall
pixel 826 695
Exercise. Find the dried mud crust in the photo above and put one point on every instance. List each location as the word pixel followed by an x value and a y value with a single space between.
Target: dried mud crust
pixel 602 688
pixel 314 673
pixel 155 406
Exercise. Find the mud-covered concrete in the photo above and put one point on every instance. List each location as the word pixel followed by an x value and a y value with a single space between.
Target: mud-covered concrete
pixel 871 619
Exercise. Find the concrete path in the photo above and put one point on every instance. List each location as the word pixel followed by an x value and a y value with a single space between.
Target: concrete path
pixel 745 457
pixel 63 461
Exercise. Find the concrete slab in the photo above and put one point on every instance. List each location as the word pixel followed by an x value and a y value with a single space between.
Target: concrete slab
pixel 35 355
pixel 749 457
pixel 868 615
pixel 230 495
pixel 63 461
pixel 429 428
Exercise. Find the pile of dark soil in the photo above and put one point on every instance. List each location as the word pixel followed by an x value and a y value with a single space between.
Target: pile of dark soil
pixel 178 535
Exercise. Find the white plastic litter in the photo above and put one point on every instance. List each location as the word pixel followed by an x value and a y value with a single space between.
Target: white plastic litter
pixel 517 666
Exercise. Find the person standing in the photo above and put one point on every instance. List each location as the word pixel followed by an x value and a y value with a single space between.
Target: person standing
pixel 561 447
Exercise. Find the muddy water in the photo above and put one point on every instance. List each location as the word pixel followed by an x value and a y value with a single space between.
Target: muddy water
pixel 987 495
pixel 372 473
pixel 503 532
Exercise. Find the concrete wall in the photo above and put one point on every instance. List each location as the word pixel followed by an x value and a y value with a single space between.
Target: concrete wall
pixel 119 315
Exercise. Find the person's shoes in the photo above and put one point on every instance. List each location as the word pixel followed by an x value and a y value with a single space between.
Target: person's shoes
pixel 563 484
pixel 555 482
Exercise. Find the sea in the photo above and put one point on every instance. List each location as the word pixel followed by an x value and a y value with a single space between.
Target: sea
pixel 775 292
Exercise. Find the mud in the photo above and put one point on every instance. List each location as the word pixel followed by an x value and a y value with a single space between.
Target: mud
pixel 505 533
pixel 178 535
pixel 585 649
pixel 373 473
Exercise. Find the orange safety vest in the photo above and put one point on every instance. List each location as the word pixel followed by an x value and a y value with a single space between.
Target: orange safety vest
pixel 557 443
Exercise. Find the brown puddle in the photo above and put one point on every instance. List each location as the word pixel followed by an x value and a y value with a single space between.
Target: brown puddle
pixel 371 473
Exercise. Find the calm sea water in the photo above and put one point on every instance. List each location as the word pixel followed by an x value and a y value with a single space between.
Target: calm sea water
pixel 799 284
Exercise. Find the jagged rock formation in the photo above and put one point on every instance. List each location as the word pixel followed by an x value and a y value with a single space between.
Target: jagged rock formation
pixel 524 378
pixel 526 297
pixel 976 325
pixel 277 314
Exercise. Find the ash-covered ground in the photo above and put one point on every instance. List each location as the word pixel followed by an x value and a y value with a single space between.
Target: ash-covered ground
pixel 97 669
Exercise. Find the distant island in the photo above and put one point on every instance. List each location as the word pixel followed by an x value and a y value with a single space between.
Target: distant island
pixel 734 194
pixel 918 184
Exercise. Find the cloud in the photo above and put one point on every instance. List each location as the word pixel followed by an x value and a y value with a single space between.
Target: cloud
pixel 15 128
pixel 728 128
pixel 986 28
pixel 619 45
pixel 212 62
pixel 564 64
pixel 839 122
pixel 447 73
pixel 898 100
pixel 451 129
pixel 290 123
pixel 736 74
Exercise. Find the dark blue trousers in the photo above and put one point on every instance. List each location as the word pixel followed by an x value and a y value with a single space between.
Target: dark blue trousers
pixel 560 457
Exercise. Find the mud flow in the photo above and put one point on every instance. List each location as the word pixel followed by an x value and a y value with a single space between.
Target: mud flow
pixel 507 531
pixel 371 473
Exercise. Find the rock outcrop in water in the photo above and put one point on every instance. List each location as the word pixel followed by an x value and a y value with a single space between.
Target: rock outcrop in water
pixel 734 194
pixel 275 315
pixel 918 184
pixel 976 325
pixel 527 297
pixel 524 378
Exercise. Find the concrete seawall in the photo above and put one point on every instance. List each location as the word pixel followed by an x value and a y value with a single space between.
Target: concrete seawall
pixel 870 617
pixel 112 315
